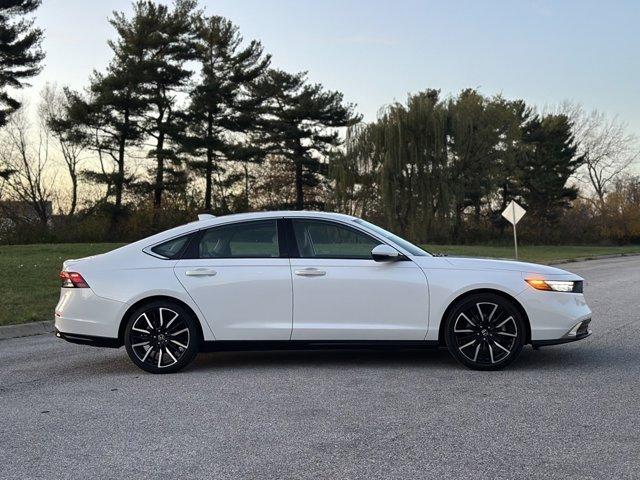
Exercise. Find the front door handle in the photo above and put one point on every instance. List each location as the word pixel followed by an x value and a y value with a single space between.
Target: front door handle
pixel 201 272
pixel 310 272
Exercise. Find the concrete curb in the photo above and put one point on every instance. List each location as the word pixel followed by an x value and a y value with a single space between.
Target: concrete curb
pixel 26 329
pixel 594 257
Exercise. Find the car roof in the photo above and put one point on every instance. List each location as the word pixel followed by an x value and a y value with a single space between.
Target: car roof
pixel 273 214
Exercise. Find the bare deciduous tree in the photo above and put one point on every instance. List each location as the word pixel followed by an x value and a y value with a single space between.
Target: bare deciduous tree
pixel 26 155
pixel 71 144
pixel 608 147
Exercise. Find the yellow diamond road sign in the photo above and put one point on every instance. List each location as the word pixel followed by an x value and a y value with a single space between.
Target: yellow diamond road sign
pixel 513 212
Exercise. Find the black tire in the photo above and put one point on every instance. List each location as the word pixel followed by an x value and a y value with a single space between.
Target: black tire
pixel 485 332
pixel 162 337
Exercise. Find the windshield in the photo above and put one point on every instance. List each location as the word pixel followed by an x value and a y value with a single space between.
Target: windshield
pixel 401 242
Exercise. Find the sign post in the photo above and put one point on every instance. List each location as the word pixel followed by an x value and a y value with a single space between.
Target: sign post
pixel 513 213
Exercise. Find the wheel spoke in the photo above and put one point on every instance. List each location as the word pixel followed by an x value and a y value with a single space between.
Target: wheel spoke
pixel 500 346
pixel 178 343
pixel 171 355
pixel 467 319
pixel 178 333
pixel 495 307
pixel 504 321
pixel 475 356
pixel 159 357
pixel 147 319
pixel 491 353
pixel 463 331
pixel 175 315
pixel 140 330
pixel 147 354
pixel 468 344
pixel 140 344
pixel 506 334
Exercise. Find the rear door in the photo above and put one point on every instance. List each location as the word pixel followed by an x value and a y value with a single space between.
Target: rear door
pixel 239 276
pixel 341 293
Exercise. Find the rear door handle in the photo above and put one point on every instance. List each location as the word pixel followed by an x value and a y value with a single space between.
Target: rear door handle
pixel 201 272
pixel 310 272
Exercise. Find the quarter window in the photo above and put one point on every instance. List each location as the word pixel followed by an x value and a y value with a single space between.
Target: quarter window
pixel 171 249
pixel 316 239
pixel 244 240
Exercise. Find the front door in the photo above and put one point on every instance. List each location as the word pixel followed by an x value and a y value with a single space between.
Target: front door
pixel 341 293
pixel 240 279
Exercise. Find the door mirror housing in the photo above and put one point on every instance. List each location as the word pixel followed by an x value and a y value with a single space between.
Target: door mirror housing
pixel 385 253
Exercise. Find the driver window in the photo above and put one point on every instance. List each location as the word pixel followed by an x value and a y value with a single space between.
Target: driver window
pixel 318 239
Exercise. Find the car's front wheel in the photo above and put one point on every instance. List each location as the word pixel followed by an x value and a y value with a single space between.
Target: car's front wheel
pixel 161 337
pixel 485 332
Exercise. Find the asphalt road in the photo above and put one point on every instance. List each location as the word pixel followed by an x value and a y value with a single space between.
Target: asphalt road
pixel 568 411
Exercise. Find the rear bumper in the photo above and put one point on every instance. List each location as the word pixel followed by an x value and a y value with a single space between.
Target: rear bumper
pixel 82 313
pixel 88 339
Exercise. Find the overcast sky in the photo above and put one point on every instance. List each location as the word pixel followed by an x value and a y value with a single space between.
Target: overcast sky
pixel 376 52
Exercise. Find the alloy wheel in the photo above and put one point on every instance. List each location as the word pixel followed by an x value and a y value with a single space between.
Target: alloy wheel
pixel 159 337
pixel 485 333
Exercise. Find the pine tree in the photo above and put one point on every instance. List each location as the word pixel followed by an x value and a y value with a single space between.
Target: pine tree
pixel 160 38
pixel 546 163
pixel 20 51
pixel 223 108
pixel 107 120
pixel 301 126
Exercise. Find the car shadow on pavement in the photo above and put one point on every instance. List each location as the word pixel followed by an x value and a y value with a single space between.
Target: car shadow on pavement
pixel 325 358
pixel 548 358
pixel 583 357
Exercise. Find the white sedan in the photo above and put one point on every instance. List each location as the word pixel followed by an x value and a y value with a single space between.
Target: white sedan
pixel 296 280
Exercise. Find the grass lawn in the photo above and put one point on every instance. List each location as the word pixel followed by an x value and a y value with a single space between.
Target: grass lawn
pixel 30 286
pixel 29 278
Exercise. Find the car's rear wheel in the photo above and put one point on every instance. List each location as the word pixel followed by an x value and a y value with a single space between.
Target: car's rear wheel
pixel 485 332
pixel 161 337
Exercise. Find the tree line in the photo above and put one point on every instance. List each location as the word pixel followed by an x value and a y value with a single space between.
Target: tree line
pixel 441 167
pixel 189 117
pixel 444 168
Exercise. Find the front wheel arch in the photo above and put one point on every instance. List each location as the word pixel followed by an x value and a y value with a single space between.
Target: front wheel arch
pixel 156 298
pixel 506 296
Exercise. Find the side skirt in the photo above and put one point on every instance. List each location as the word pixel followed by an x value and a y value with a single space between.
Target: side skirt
pixel 255 345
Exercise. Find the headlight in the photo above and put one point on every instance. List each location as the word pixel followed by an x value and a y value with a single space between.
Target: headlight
pixel 570 286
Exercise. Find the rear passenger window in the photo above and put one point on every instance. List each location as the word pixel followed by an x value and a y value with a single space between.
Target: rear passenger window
pixel 171 249
pixel 244 240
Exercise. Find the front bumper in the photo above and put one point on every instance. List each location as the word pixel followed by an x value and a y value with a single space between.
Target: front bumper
pixel 553 315
pixel 579 331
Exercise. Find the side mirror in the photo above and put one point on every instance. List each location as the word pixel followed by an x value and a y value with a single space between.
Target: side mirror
pixel 385 253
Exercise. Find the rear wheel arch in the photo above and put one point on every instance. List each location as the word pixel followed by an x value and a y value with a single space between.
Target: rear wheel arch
pixel 156 298
pixel 506 296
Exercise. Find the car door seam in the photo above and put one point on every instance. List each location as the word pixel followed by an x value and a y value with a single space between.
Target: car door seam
pixel 175 274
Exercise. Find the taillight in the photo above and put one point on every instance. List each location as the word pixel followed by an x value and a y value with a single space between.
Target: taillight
pixel 72 280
